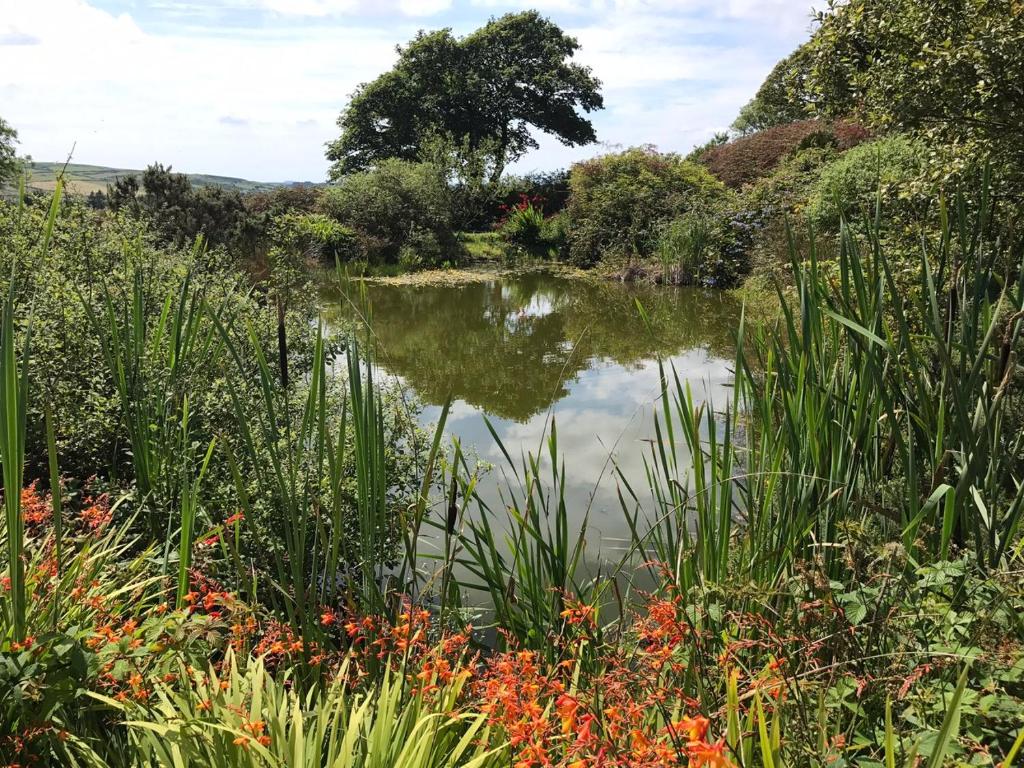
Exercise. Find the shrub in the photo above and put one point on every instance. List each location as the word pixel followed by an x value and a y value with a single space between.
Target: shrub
pixel 522 229
pixel 397 206
pixel 176 211
pixel 753 157
pixel 620 202
pixel 549 191
pixel 555 232
pixel 707 248
pixel 891 165
pixel 779 200
pixel 314 235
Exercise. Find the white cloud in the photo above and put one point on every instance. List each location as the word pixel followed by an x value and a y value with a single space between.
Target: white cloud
pixel 423 7
pixel 310 7
pixel 256 92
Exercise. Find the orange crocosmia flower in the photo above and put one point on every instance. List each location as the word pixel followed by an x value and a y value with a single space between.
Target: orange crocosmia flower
pixel 693 728
pixel 709 755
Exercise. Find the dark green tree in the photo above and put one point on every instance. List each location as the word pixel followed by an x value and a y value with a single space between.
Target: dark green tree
pixel 782 98
pixel 123 195
pixel 485 92
pixel 950 70
pixel 8 157
pixel 176 210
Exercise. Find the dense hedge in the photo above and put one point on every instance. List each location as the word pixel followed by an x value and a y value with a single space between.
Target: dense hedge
pixel 749 158
pixel 620 202
pixel 401 211
pixel 890 166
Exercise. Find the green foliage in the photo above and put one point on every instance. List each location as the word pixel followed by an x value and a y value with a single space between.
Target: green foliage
pixel 9 164
pixel 483 92
pixel 620 202
pixel 524 231
pixel 892 167
pixel 782 98
pixel 314 235
pixel 683 245
pixel 949 71
pixel 177 212
pixel 386 727
pixel 398 206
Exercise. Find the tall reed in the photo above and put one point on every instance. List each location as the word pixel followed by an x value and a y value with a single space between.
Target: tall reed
pixel 872 401
pixel 14 397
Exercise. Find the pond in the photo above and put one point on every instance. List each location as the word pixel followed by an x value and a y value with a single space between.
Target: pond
pixel 526 349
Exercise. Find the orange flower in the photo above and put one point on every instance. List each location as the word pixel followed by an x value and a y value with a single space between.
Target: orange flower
pixel 693 728
pixel 709 755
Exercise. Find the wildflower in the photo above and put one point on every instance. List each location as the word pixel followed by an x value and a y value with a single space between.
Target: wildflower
pixel 567 707
pixel 237 517
pixel 693 728
pixel 709 755
pixel 578 614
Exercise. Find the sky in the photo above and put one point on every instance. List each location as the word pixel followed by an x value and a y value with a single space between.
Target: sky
pixel 252 88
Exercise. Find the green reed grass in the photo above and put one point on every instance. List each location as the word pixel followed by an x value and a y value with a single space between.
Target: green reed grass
pixel 13 403
pixel 871 401
pixel 14 396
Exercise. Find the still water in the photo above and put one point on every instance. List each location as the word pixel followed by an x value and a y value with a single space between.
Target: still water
pixel 527 349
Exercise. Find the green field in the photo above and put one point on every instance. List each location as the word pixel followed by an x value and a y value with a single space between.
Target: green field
pixel 84 179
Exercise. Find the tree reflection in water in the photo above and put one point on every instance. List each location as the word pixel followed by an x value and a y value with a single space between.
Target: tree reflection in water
pixel 513 347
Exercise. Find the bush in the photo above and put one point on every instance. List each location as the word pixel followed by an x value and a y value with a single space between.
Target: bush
pixel 620 202
pixel 522 229
pixel 549 191
pixel 891 165
pixel 315 236
pixel 753 157
pixel 177 212
pixel 399 207
pixel 707 248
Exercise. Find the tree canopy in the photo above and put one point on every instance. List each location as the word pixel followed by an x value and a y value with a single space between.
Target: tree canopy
pixel 782 98
pixel 177 211
pixel 949 69
pixel 483 93
pixel 8 157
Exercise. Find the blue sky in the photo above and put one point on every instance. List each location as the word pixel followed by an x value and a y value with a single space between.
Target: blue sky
pixel 252 88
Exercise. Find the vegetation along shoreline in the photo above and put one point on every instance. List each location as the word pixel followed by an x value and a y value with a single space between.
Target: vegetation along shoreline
pixel 711 460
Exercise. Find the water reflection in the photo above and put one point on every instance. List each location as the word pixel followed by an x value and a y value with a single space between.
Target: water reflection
pixel 514 347
pixel 523 349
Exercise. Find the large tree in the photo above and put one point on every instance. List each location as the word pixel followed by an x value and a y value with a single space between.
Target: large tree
pixel 8 157
pixel 949 69
pixel 483 93
pixel 782 98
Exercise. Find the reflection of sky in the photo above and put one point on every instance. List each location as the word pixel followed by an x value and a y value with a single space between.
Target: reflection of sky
pixel 607 413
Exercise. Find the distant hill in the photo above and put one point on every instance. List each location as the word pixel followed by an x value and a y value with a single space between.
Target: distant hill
pixel 83 179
